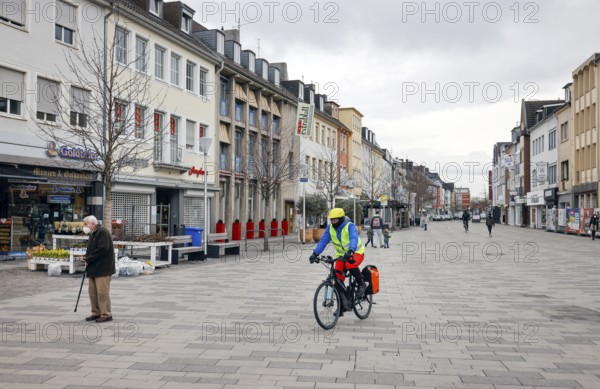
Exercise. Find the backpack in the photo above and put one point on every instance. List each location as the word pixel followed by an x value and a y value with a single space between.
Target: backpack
pixel 376 222
pixel 371 275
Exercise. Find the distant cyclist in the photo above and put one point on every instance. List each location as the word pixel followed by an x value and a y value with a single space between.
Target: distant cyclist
pixel 349 249
pixel 465 219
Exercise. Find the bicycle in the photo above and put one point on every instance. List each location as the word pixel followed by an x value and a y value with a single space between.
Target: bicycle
pixel 326 303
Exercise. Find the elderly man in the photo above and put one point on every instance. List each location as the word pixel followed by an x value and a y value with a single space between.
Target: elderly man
pixel 100 261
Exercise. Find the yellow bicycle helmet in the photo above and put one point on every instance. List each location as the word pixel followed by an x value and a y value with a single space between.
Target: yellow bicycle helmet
pixel 336 213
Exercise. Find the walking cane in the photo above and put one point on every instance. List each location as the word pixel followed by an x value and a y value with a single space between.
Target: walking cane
pixel 80 288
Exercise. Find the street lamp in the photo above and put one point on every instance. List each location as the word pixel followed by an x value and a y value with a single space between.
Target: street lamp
pixel 204 146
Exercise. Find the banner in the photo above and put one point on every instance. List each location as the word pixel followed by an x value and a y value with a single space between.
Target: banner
pixel 573 220
pixel 508 161
pixel 551 220
pixel 304 118
pixel 562 217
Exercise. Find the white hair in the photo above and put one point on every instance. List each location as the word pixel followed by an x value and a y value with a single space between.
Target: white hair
pixel 91 219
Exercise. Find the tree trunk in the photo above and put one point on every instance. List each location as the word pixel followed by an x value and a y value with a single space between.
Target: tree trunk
pixel 267 223
pixel 107 206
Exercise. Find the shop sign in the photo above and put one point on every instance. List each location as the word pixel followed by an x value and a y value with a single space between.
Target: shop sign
pixel 23 189
pixel 61 174
pixel 59 199
pixel 66 189
pixel 69 152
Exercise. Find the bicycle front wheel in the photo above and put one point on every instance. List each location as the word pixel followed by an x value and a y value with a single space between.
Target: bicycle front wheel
pixel 362 308
pixel 326 305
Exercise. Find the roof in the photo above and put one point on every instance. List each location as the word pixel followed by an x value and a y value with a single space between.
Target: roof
pixel 529 109
pixel 591 60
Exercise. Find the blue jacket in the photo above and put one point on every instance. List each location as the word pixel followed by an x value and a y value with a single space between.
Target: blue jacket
pixel 326 238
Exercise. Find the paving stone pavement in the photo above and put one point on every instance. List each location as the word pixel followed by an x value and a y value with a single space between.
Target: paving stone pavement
pixel 456 310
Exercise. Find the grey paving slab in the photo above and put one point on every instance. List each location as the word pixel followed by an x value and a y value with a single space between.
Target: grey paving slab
pixel 525 319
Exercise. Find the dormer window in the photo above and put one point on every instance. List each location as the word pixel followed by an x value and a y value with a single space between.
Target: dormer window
pixel 221 43
pixel 155 7
pixel 186 23
pixel 236 53
pixel 321 102
pixel 251 62
pixel 276 77
pixel 301 93
pixel 312 97
pixel 265 70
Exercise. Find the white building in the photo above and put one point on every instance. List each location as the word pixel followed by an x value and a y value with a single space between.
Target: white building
pixel 543 166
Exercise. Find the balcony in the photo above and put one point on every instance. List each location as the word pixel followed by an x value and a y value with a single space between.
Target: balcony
pixel 172 157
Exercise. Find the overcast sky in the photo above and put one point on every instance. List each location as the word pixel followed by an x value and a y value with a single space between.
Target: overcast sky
pixel 386 57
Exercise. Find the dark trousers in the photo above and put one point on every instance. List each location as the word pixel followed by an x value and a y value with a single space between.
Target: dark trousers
pixel 490 229
pixel 370 240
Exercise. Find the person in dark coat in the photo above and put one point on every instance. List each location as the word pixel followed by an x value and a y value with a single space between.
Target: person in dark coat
pixel 594 225
pixel 489 222
pixel 100 266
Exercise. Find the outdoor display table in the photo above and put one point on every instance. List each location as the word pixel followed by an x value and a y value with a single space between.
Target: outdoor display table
pixel 153 250
pixel 72 262
pixel 56 237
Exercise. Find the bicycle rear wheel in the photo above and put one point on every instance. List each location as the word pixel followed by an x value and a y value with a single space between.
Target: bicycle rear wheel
pixel 326 305
pixel 362 308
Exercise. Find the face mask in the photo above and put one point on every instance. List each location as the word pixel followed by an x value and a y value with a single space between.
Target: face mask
pixel 86 230
pixel 335 223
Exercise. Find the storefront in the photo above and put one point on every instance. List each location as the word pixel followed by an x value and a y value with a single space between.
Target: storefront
pixel 537 209
pixel 551 199
pixel 42 200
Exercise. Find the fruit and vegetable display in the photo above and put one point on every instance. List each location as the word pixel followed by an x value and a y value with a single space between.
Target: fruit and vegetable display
pixel 42 252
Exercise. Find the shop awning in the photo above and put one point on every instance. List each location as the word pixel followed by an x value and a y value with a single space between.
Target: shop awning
pixel 264 104
pixel 224 134
pixel 252 98
pixel 239 93
pixel 275 109
pixel 15 173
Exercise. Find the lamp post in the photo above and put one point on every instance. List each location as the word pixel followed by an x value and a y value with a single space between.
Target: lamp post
pixel 204 146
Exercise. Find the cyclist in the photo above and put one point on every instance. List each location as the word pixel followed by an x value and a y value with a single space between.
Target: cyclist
pixel 348 247
pixel 465 219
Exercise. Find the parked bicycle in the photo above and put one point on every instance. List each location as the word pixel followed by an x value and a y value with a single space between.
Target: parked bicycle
pixel 333 297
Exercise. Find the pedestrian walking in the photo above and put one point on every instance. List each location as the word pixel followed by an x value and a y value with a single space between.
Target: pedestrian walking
pixel 489 222
pixel 386 238
pixel 594 225
pixel 424 221
pixel 377 226
pixel 369 237
pixel 100 266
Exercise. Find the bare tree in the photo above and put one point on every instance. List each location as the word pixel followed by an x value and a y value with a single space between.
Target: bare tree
pixel 105 111
pixel 331 176
pixel 271 163
pixel 375 184
pixel 417 183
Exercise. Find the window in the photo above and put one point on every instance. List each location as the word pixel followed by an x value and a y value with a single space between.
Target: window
pixel 223 98
pixel 552 139
pixel 252 116
pixel 251 61
pixel 323 135
pixel 190 129
pixel 236 53
pixel 220 43
pixel 65 22
pixel 175 69
pixel 121 46
pixel 264 120
pixel 120 116
pixel 186 23
pixel 239 110
pixel 159 62
pixel 11 91
pixel 140 54
pixel 155 7
pixel 300 92
pixel 174 142
pixel 328 137
pixel 317 132
pixel 140 122
pixel 223 156
pixel 159 119
pixel 13 13
pixel 202 130
pixel 238 152
pixel 276 121
pixel 203 81
pixel 265 70
pixel 564 167
pixel 251 153
pixel 79 106
pixel 552 174
pixel 190 70
pixel 564 131
pixel 47 100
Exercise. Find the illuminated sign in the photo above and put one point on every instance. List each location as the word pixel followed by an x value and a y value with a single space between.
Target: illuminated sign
pixel 70 152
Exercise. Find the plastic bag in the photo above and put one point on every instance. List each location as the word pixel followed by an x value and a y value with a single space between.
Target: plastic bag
pixel 134 269
pixel 54 270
